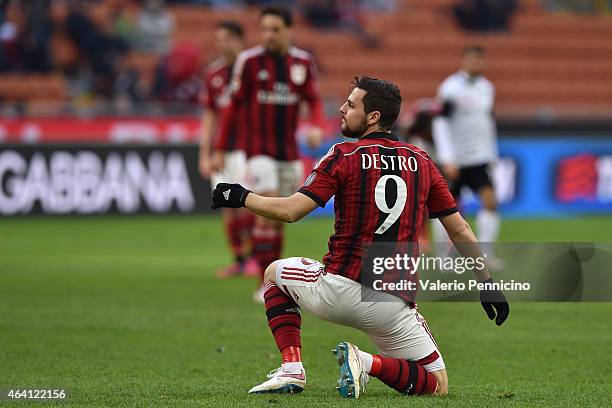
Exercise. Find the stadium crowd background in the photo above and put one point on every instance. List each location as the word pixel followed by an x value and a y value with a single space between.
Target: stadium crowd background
pixel 549 59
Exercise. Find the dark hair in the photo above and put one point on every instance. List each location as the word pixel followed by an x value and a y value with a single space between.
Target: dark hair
pixel 233 27
pixel 279 11
pixel 474 49
pixel 382 96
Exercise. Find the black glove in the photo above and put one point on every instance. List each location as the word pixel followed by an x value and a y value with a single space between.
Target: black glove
pixel 494 301
pixel 229 196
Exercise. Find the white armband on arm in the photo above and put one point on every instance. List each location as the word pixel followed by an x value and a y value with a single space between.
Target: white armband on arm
pixel 443 142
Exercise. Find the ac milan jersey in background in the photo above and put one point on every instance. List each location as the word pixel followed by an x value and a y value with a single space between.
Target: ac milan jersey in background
pixel 383 189
pixel 270 87
pixel 216 96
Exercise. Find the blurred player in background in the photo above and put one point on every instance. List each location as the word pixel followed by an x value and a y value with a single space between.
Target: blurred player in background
pixel 365 177
pixel 229 40
pixel 419 121
pixel 270 81
pixel 465 140
pixel 417 124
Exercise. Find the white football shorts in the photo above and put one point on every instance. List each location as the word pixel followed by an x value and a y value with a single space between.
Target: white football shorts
pixel 397 329
pixel 234 169
pixel 266 175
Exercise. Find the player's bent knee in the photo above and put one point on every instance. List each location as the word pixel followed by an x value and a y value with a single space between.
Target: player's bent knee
pixel 489 201
pixel 270 273
pixel 490 205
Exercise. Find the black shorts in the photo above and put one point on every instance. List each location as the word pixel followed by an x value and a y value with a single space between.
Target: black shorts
pixel 475 177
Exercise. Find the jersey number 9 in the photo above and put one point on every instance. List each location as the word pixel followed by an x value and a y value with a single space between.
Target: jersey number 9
pixel 381 202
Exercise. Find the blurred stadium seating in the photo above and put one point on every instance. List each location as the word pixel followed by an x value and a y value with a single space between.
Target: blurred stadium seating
pixel 548 64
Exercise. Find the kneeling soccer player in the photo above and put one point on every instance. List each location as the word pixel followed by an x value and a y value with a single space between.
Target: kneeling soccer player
pixel 365 176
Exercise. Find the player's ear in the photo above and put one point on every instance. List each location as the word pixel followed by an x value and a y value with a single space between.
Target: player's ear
pixel 373 117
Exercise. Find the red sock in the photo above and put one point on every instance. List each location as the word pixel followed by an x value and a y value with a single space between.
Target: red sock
pixel 376 365
pixel 245 220
pixel 232 231
pixel 284 320
pixel 407 377
pixel 267 245
pixel 291 354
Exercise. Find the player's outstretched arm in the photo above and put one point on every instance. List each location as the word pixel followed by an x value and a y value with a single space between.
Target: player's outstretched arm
pixel 285 209
pixel 463 237
pixel 493 301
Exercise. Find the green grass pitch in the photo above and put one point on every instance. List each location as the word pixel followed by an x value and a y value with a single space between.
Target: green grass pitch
pixel 127 312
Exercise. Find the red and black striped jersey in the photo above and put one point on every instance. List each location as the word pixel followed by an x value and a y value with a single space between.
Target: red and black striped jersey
pixel 383 188
pixel 216 96
pixel 271 86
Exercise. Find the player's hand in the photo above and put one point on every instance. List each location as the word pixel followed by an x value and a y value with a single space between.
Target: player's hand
pixel 495 304
pixel 204 165
pixel 314 136
pixel 229 196
pixel 450 171
pixel 217 161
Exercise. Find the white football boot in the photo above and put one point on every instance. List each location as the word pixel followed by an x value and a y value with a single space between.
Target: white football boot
pixel 281 382
pixel 353 378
